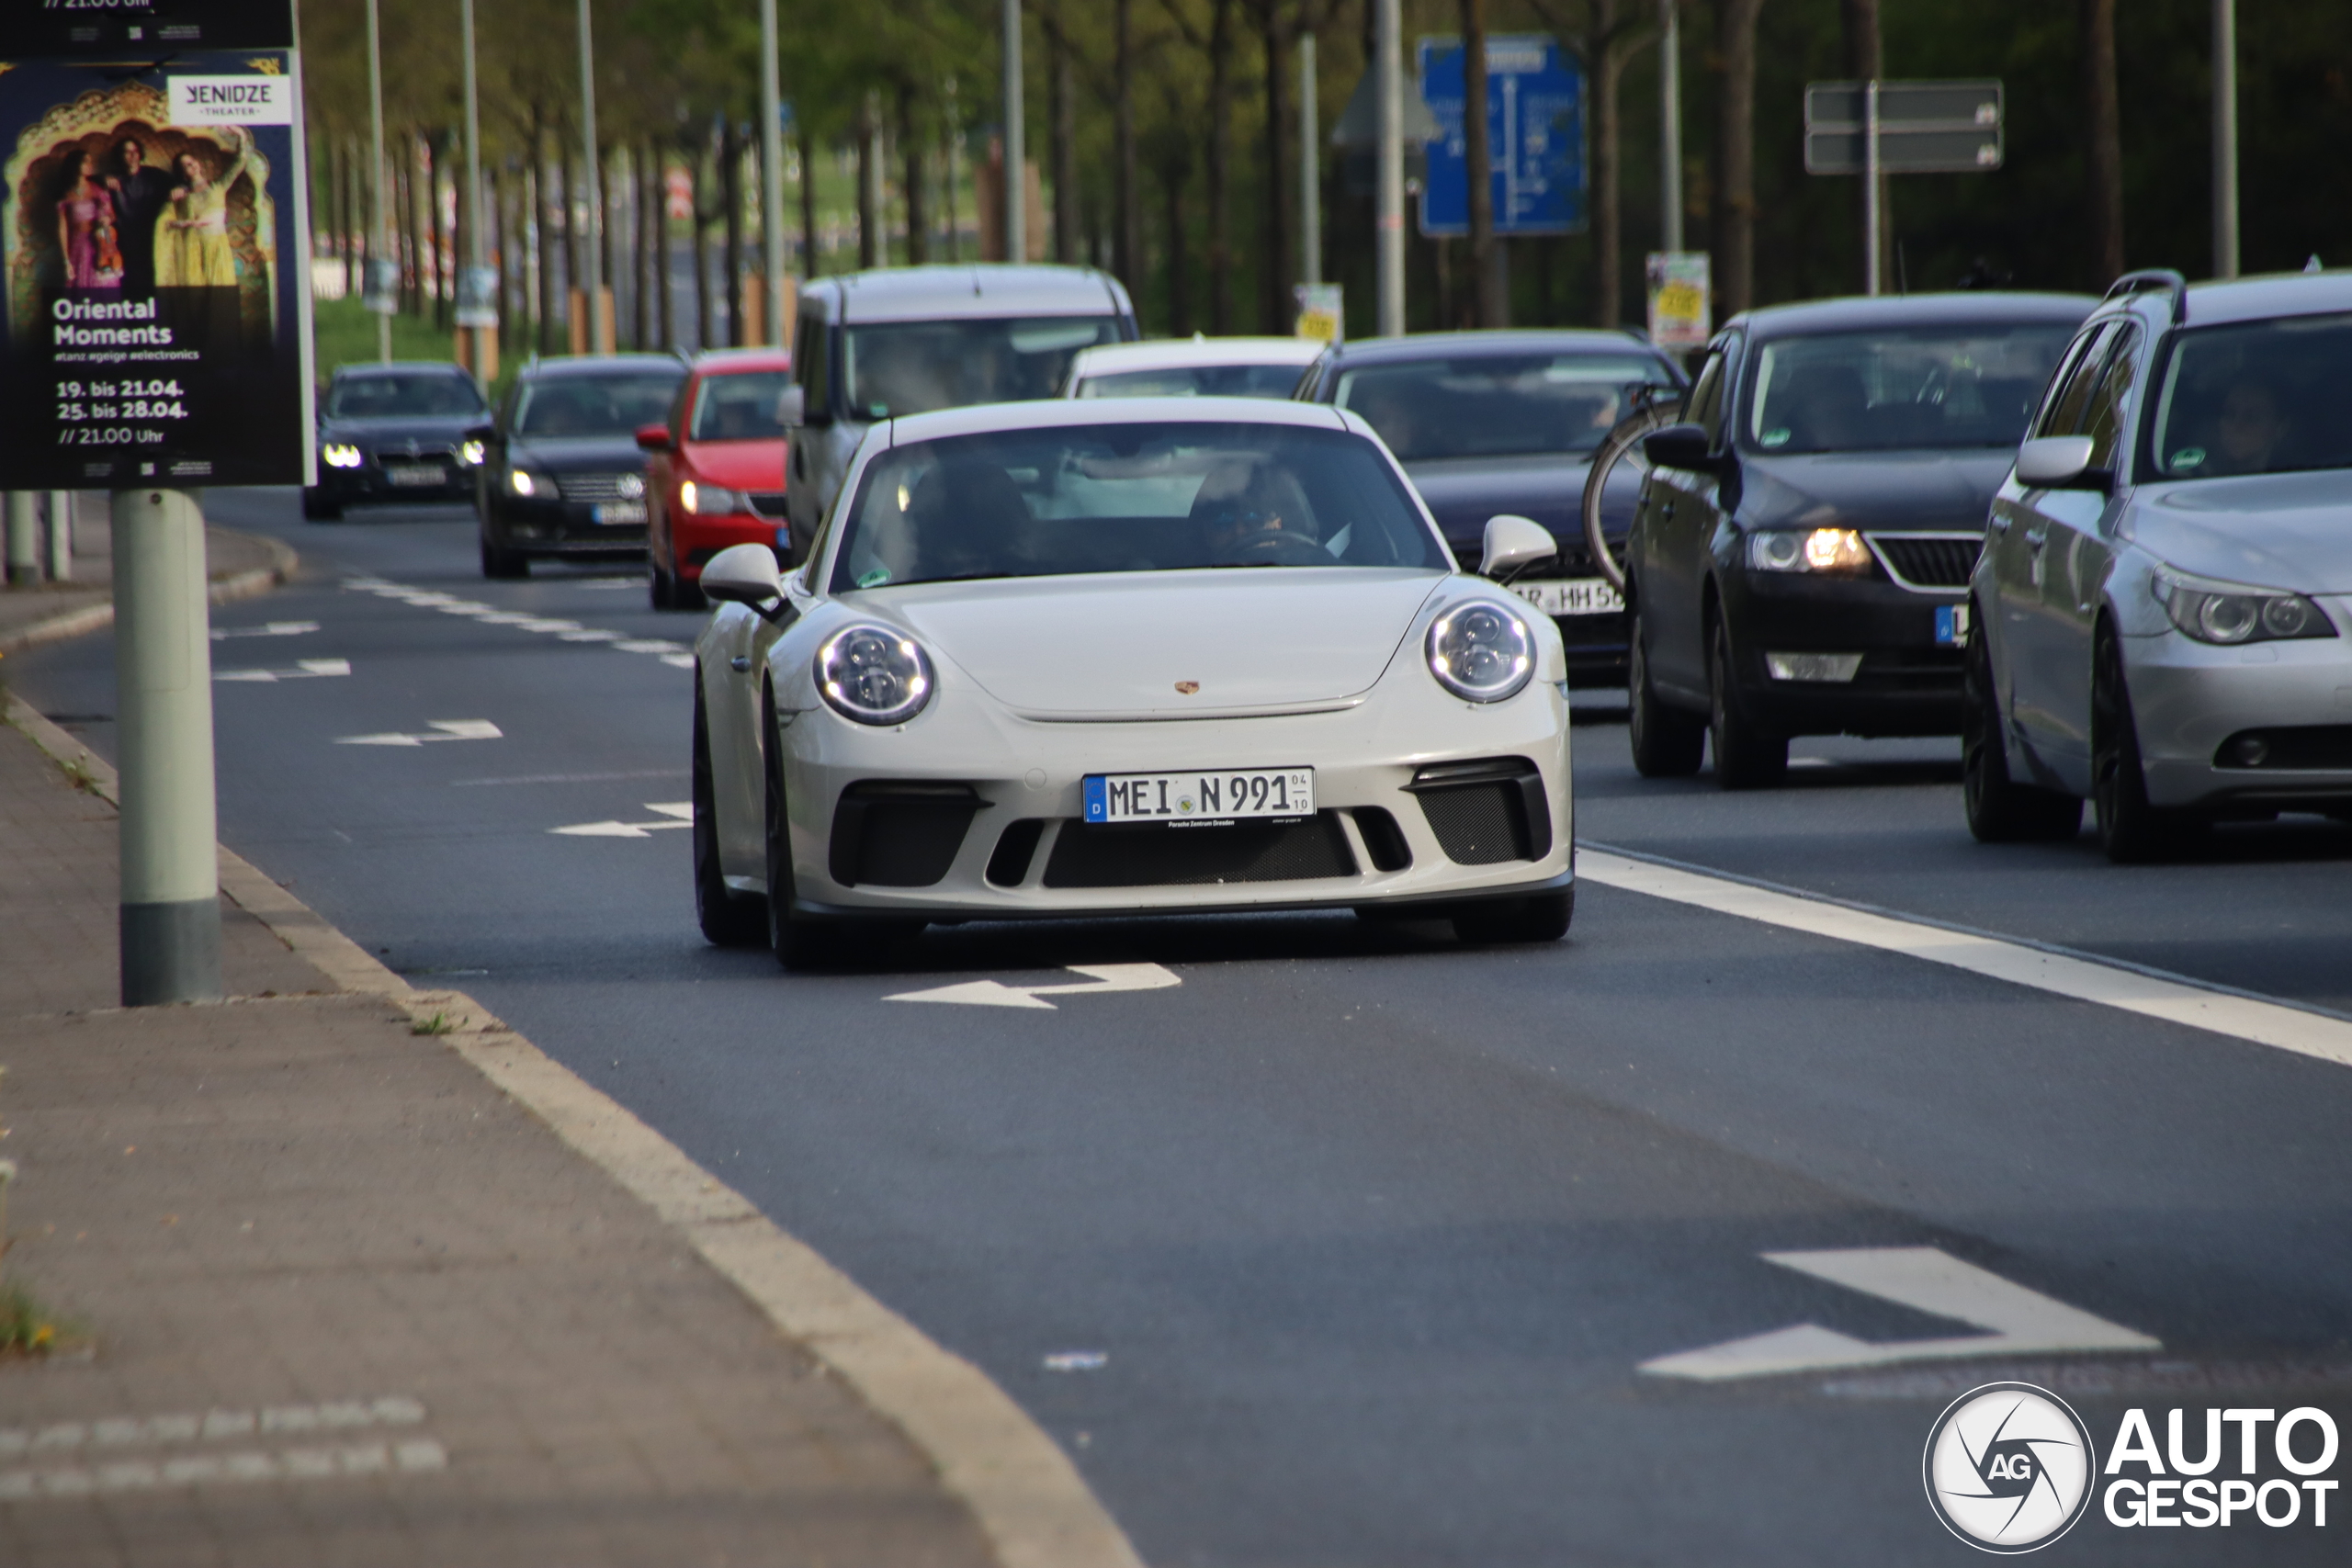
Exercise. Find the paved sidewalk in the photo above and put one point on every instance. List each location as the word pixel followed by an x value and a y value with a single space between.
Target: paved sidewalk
pixel 351 1304
pixel 239 565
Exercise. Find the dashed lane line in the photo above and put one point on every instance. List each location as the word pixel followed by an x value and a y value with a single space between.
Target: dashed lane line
pixel 677 655
pixel 2171 999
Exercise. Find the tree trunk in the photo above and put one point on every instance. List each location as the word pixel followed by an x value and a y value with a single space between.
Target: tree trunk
pixel 2103 141
pixel 442 241
pixel 1485 255
pixel 1062 119
pixel 701 225
pixel 567 174
pixel 910 158
pixel 640 237
pixel 1735 180
pixel 1277 249
pixel 1866 62
pixel 1220 153
pixel 1180 278
pixel 730 187
pixel 544 200
pixel 664 282
pixel 807 199
pixel 868 219
pixel 1606 50
pixel 1128 253
pixel 607 248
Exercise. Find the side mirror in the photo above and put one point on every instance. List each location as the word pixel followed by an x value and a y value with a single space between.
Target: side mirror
pixel 1684 446
pixel 743 574
pixel 654 438
pixel 2060 462
pixel 1514 544
pixel 792 407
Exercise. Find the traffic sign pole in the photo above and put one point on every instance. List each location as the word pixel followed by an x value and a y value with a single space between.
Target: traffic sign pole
pixel 1871 215
pixel 1389 253
pixel 1670 128
pixel 2225 139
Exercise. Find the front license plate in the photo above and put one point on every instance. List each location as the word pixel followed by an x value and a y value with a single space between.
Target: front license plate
pixel 619 511
pixel 1572 596
pixel 415 475
pixel 1189 799
pixel 1951 624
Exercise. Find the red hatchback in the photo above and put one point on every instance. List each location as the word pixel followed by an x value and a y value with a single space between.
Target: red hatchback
pixel 713 473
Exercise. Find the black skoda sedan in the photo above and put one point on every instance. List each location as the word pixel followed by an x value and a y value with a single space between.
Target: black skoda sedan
pixel 394 432
pixel 1504 423
pixel 1798 563
pixel 560 473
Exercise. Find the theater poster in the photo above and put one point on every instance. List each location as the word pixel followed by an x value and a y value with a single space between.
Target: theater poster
pixel 154 245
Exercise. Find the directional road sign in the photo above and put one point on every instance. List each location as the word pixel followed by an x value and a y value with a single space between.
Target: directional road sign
pixel 1534 125
pixel 1924 128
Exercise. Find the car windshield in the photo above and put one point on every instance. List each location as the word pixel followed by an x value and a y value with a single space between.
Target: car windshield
pixel 1498 405
pixel 895 368
pixel 739 407
pixel 2262 397
pixel 1156 497
pixel 403 397
pixel 1195 381
pixel 1900 391
pixel 594 405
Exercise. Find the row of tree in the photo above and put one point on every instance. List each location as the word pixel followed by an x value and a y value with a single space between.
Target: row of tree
pixel 1169 149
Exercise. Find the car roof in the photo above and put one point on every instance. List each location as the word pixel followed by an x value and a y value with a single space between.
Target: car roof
pixel 1498 342
pixel 2259 299
pixel 1182 354
pixel 1959 308
pixel 1048 413
pixel 588 364
pixel 967 292
pixel 720 361
pixel 400 367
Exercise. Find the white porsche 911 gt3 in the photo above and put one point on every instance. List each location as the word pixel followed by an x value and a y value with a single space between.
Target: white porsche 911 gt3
pixel 1149 655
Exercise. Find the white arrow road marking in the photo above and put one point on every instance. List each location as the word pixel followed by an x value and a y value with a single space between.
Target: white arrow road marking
pixel 677 814
pixel 448 729
pixel 269 628
pixel 996 994
pixel 304 669
pixel 1925 1278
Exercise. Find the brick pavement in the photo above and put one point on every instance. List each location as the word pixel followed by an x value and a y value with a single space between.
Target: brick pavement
pixel 350 1304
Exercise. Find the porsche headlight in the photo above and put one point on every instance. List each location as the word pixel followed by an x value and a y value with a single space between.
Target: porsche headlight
pixel 340 454
pixel 1816 549
pixel 2228 613
pixel 873 675
pixel 1481 651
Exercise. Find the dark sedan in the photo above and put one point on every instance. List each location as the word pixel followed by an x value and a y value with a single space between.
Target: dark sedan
pixel 561 474
pixel 1499 423
pixel 1799 562
pixel 394 432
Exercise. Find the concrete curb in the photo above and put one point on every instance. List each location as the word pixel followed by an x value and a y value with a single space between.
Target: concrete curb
pixel 1029 1499
pixel 283 564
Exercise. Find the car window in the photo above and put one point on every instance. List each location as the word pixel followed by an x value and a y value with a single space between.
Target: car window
pixel 740 406
pixel 891 369
pixel 2061 415
pixel 585 405
pixel 1898 388
pixel 1156 497
pixel 1498 405
pixel 2255 398
pixel 1705 406
pixel 1195 381
pixel 2108 414
pixel 403 397
pixel 811 365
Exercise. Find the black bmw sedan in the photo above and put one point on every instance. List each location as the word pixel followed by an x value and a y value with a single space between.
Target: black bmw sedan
pixel 394 432
pixel 1799 560
pixel 1493 422
pixel 560 472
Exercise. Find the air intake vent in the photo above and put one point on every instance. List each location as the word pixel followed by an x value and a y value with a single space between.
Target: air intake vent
pixel 898 835
pixel 1181 857
pixel 1488 811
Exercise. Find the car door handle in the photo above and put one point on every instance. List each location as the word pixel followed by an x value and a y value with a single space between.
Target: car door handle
pixel 1999 524
pixel 740 664
pixel 2038 535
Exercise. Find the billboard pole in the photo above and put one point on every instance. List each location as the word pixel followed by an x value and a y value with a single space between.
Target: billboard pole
pixel 2225 139
pixel 1669 127
pixel 1310 195
pixel 1016 170
pixel 1872 215
pixel 1389 252
pixel 772 177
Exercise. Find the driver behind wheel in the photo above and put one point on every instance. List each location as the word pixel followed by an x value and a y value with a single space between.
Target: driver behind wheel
pixel 1251 514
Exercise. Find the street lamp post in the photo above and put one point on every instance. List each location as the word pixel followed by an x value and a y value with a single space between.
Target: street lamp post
pixel 591 264
pixel 772 177
pixel 1389 247
pixel 1669 126
pixel 2225 139
pixel 1311 163
pixel 1016 170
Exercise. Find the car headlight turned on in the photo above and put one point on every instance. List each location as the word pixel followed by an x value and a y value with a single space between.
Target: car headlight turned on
pixel 470 454
pixel 873 675
pixel 521 481
pixel 2230 613
pixel 1815 550
pixel 1481 652
pixel 340 454
pixel 711 501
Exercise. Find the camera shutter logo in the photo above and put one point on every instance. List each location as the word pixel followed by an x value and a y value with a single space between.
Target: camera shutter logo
pixel 2008 1467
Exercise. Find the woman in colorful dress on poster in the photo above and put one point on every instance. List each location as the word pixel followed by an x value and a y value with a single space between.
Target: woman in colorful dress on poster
pixel 85 209
pixel 192 236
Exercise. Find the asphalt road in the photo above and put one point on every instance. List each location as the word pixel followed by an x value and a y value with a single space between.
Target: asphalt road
pixel 1372 1230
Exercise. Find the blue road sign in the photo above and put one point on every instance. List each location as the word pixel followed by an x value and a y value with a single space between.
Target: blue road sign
pixel 1534 126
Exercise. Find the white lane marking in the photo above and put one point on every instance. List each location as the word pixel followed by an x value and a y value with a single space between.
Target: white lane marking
pixel 1078 1361
pixel 304 669
pixel 448 728
pixel 2171 1000
pixel 650 645
pixel 590 637
pixel 1104 977
pixel 679 661
pixel 1924 1278
pixel 677 655
pixel 410 1457
pixel 268 628
pixel 572 778
pixel 678 814
pixel 394 1410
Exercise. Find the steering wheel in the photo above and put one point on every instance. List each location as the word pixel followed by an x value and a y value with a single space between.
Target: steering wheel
pixel 1655 408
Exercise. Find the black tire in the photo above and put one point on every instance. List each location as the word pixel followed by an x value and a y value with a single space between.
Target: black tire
pixel 1545 916
pixel 798 942
pixel 1668 743
pixel 685 595
pixel 319 506
pixel 1747 756
pixel 728 919
pixel 663 593
pixel 2001 810
pixel 503 564
pixel 2131 831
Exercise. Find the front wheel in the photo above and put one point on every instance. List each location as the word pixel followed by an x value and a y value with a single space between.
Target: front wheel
pixel 503 564
pixel 2000 810
pixel 1747 756
pixel 2131 830
pixel 321 505
pixel 1668 743
pixel 728 919
pixel 798 942
pixel 1545 916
